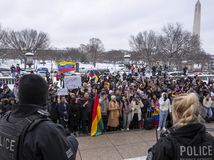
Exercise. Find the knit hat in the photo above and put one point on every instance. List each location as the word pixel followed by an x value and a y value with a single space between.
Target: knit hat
pixel 33 89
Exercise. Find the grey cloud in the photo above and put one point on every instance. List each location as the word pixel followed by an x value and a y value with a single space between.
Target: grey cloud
pixel 72 22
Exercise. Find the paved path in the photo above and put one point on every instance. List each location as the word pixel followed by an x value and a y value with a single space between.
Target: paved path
pixel 132 145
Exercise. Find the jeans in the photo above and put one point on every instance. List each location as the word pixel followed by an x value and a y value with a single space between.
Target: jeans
pixel 209 112
pixel 127 118
pixel 162 118
pixel 105 120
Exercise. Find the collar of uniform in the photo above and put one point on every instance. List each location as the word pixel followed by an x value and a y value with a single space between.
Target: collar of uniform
pixel 23 110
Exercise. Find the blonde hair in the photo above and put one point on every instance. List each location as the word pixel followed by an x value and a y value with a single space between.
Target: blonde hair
pixel 188 109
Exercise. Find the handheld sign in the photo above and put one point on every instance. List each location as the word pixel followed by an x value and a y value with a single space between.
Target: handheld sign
pixel 72 82
pixel 62 92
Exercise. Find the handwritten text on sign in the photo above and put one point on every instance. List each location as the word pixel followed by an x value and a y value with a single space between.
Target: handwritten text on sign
pixel 72 82
pixel 62 92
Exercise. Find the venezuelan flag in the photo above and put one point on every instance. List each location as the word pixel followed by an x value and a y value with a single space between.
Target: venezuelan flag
pixel 66 66
pixel 97 122
pixel 96 78
pixel 91 73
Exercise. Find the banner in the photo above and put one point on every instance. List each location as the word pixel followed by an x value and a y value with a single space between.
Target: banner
pixel 66 66
pixel 72 82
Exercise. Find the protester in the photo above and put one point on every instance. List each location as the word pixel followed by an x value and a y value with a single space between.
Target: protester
pixel 74 114
pixel 208 103
pixel 18 69
pixel 154 102
pixel 136 105
pixel 53 109
pixel 114 114
pixel 63 108
pixel 13 70
pixel 87 109
pixel 104 102
pixel 6 93
pixel 126 87
pixel 164 110
pixel 127 113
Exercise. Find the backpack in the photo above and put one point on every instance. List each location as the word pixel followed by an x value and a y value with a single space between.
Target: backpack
pixel 12 134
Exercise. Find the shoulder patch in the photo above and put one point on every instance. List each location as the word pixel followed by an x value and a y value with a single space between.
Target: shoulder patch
pixel 69 153
pixel 43 113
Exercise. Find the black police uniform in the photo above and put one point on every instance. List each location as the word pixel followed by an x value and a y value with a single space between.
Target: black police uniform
pixel 40 138
pixel 190 142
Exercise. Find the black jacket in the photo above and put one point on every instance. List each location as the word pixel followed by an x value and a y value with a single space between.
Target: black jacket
pixel 74 114
pixel 53 110
pixel 86 110
pixel 45 141
pixel 188 142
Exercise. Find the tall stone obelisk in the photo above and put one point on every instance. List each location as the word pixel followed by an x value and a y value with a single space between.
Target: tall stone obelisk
pixel 197 19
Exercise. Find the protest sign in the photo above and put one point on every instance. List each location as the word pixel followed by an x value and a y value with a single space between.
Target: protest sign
pixel 72 82
pixel 62 92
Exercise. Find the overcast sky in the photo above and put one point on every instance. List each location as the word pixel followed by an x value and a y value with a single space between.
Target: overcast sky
pixel 72 22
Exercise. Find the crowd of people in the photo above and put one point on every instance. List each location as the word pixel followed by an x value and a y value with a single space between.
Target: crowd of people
pixel 127 100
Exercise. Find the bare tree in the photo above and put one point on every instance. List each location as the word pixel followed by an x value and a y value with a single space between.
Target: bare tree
pixel 201 58
pixel 174 43
pixel 194 45
pixel 83 49
pixel 27 40
pixel 144 44
pixel 95 47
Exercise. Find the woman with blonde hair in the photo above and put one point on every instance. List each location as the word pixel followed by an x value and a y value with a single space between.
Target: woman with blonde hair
pixel 187 139
pixel 114 114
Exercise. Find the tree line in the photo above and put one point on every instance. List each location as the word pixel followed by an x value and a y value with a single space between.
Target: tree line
pixel 173 45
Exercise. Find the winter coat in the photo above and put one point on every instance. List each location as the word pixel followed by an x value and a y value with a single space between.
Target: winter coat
pixel 44 141
pixel 53 110
pixel 63 110
pixel 126 107
pixel 74 114
pixel 114 113
pixel 208 103
pixel 7 94
pixel 104 105
pixel 164 104
pixel 136 109
pixel 86 110
pixel 189 142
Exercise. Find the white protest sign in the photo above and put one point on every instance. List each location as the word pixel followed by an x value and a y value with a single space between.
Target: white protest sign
pixel 72 82
pixel 62 92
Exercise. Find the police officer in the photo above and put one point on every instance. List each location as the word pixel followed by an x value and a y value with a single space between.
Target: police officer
pixel 26 133
pixel 187 139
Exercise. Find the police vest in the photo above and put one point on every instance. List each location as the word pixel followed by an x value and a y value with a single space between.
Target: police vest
pixel 12 135
pixel 201 151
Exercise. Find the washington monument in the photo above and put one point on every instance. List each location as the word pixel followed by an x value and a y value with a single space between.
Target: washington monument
pixel 197 19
